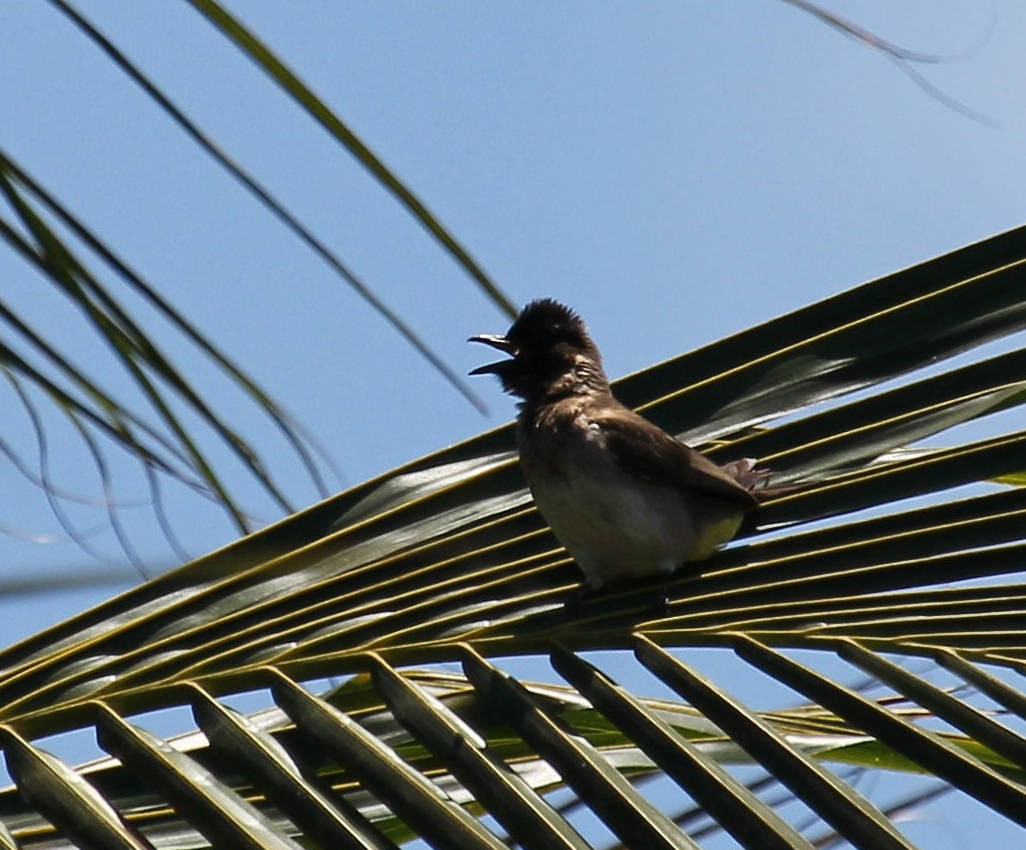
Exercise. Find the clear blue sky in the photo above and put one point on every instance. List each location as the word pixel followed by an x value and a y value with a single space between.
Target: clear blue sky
pixel 676 172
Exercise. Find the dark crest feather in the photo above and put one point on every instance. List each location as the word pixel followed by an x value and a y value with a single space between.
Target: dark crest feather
pixel 548 310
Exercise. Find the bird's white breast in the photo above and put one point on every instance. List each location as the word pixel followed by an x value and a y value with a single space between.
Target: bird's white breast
pixel 615 525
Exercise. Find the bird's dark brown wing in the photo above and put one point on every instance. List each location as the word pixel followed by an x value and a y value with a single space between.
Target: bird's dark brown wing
pixel 647 451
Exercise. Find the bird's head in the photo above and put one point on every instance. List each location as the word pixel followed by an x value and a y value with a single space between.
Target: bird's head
pixel 550 354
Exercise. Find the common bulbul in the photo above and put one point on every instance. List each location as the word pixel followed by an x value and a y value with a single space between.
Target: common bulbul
pixel 626 499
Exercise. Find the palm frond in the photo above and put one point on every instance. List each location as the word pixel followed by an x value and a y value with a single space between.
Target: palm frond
pixel 264 58
pixel 165 427
pixel 166 446
pixel 446 560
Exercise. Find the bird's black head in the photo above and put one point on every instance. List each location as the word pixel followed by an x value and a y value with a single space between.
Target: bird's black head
pixel 550 352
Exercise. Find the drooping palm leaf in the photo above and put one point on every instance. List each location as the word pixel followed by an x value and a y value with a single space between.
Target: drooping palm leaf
pixel 288 81
pixel 446 560
pixel 65 253
pixel 165 448
pixel 262 56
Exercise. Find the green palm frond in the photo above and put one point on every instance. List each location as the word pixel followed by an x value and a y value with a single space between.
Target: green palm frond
pixel 446 560
pixel 174 431
pixel 165 446
pixel 261 55
pixel 310 103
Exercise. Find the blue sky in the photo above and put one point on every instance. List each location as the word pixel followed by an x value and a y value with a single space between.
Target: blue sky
pixel 676 172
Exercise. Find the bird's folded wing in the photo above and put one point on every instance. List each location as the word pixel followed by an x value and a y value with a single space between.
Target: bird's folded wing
pixel 647 451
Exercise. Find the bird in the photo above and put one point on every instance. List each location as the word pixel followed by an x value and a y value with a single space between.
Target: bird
pixel 626 499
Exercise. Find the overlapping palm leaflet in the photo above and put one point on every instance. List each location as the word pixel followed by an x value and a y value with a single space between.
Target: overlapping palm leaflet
pixel 886 552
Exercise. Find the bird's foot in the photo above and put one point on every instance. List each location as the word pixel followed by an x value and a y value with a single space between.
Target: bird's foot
pixel 648 598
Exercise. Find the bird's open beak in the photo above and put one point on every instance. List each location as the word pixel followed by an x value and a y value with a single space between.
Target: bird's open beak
pixel 495 341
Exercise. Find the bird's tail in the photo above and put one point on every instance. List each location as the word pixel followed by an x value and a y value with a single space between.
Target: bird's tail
pixel 747 472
